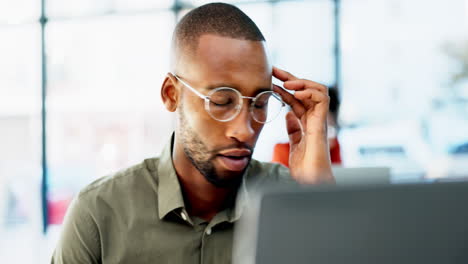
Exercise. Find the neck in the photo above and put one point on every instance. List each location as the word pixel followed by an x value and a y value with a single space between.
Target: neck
pixel 202 198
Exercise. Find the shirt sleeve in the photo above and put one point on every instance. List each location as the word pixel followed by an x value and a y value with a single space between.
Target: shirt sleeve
pixel 79 241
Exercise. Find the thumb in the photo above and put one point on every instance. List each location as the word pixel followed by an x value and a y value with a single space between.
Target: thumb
pixel 294 128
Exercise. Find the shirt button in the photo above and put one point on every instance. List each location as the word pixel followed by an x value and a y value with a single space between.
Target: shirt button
pixel 208 231
pixel 184 216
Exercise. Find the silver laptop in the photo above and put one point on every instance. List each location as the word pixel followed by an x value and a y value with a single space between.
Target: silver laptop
pixel 405 224
pixel 361 175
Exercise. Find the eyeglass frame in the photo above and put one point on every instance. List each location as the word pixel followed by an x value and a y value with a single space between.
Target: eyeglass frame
pixel 238 106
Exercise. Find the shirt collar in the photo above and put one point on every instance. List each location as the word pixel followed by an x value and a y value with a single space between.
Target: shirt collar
pixel 169 190
pixel 241 201
pixel 170 195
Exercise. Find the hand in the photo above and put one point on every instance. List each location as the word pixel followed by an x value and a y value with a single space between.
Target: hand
pixel 309 157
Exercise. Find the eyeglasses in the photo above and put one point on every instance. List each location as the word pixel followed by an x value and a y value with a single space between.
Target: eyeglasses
pixel 225 103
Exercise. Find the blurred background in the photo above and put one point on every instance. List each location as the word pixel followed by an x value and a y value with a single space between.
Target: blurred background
pixel 80 80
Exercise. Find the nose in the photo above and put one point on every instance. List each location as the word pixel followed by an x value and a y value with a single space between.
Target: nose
pixel 240 128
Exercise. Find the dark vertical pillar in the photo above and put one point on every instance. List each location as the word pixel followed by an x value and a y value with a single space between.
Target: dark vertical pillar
pixel 43 22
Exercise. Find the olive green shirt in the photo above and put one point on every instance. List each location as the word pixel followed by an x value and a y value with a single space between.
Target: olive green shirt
pixel 138 215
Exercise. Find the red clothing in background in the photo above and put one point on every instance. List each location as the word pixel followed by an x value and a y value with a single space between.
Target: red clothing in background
pixel 281 153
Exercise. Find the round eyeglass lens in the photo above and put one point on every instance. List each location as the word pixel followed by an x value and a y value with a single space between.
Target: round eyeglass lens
pixel 223 104
pixel 266 107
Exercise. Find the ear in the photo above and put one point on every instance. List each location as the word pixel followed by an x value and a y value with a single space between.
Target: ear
pixel 170 93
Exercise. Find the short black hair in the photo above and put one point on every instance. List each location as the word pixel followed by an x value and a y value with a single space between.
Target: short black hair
pixel 218 19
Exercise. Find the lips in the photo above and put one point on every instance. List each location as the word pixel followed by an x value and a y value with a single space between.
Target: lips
pixel 235 159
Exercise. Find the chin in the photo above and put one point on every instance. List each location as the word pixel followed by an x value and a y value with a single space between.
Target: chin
pixel 225 179
pixel 229 175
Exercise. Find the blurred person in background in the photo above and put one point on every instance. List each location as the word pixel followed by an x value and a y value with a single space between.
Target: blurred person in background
pixel 181 206
pixel 281 150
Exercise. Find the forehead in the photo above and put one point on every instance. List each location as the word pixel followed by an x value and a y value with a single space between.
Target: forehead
pixel 243 64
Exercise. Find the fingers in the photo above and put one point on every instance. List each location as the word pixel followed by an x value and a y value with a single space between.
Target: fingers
pixel 303 100
pixel 310 98
pixel 283 75
pixel 291 82
pixel 297 107
pixel 302 84
pixel 308 95
pixel 294 128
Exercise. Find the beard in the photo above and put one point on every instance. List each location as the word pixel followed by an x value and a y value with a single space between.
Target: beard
pixel 202 158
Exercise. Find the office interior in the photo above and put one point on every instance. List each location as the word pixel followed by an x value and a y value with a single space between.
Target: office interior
pixel 80 80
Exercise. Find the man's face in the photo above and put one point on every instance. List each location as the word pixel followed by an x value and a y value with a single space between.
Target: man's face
pixel 221 151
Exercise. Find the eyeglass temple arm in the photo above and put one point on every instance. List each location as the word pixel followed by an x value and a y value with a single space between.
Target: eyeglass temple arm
pixel 277 96
pixel 190 87
pixel 205 97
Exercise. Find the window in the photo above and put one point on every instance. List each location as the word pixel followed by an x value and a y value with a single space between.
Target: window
pixel 397 76
pixel 20 139
pixel 104 106
pixel 14 12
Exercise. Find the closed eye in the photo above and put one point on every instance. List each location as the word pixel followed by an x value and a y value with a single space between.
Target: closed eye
pixel 260 105
pixel 222 103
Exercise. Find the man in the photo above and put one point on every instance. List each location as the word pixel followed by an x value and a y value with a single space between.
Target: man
pixel 180 207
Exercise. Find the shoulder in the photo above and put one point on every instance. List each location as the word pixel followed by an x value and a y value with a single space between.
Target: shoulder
pixel 122 189
pixel 116 180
